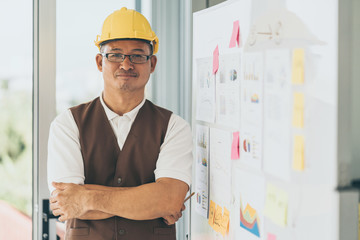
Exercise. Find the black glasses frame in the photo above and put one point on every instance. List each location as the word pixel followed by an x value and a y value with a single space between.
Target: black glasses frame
pixel 123 56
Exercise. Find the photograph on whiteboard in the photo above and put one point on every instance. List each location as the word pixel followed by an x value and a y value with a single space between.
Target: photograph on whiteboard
pixel 228 90
pixel 201 170
pixel 252 102
pixel 205 80
pixel 277 113
pixel 249 199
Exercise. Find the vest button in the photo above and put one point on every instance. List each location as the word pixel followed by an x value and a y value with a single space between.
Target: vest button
pixel 119 180
pixel 121 232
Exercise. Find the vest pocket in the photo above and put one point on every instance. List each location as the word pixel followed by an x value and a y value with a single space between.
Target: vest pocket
pixel 164 233
pixel 83 231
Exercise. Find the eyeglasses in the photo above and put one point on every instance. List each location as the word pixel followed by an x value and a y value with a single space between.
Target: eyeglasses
pixel 119 57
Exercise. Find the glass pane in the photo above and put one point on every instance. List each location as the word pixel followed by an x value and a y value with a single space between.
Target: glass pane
pixel 78 22
pixel 78 80
pixel 16 119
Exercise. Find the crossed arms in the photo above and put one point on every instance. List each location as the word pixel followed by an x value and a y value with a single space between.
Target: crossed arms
pixel 163 198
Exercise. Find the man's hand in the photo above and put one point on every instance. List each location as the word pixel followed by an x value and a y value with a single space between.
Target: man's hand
pixel 172 219
pixel 68 201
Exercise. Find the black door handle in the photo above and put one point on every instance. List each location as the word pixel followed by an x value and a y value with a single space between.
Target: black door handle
pixel 46 216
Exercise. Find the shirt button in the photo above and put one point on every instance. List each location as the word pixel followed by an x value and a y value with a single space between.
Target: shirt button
pixel 119 180
pixel 121 232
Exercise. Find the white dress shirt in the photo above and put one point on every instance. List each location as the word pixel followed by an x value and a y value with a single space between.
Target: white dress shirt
pixel 65 163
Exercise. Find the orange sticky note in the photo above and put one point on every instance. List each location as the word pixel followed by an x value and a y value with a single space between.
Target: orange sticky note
pixel 225 222
pixel 211 213
pixel 235 37
pixel 235 153
pixel 216 60
pixel 271 236
pixel 217 219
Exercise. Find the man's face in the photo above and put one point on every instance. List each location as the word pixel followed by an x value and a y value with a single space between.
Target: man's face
pixel 126 76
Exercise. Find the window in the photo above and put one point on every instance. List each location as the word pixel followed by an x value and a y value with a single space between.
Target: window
pixel 16 119
pixel 77 25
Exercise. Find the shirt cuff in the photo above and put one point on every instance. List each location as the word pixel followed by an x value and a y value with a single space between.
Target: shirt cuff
pixel 171 173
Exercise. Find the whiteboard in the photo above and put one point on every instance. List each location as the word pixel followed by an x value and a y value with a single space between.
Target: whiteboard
pixel 270 34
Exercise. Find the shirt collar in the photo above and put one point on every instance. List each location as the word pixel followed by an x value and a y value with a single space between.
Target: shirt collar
pixel 111 115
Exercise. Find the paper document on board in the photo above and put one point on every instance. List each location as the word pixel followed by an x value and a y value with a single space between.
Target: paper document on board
pixel 201 169
pixel 205 79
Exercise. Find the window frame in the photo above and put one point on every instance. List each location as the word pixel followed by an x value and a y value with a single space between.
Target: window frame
pixel 44 105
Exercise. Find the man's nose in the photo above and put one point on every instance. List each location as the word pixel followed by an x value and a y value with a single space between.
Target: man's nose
pixel 126 64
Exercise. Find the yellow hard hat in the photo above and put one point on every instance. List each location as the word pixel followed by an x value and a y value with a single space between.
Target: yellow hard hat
pixel 127 23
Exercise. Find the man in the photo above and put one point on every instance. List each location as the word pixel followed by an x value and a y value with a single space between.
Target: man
pixel 119 167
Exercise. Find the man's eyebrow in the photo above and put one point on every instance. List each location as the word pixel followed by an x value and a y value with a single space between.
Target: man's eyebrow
pixel 133 50
pixel 115 49
pixel 138 50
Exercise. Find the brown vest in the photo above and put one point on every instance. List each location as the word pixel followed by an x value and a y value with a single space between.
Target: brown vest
pixel 134 165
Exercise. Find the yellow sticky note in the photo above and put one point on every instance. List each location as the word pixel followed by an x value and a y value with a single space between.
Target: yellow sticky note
pixel 225 222
pixel 298 110
pixel 211 213
pixel 298 158
pixel 217 219
pixel 297 76
pixel 276 205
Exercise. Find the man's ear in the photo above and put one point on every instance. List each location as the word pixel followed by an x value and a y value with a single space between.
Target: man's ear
pixel 98 60
pixel 153 61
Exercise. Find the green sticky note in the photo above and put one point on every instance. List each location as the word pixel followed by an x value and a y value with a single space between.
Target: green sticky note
pixel 276 205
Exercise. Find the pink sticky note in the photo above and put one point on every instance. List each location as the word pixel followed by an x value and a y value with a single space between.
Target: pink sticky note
pixel 216 59
pixel 235 153
pixel 271 236
pixel 235 37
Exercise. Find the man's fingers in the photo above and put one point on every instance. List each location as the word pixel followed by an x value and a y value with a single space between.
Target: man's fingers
pixel 183 207
pixel 55 192
pixel 52 200
pixel 53 206
pixel 166 221
pixel 62 219
pixel 172 219
pixel 56 212
pixel 60 185
pixel 177 216
pixel 169 220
